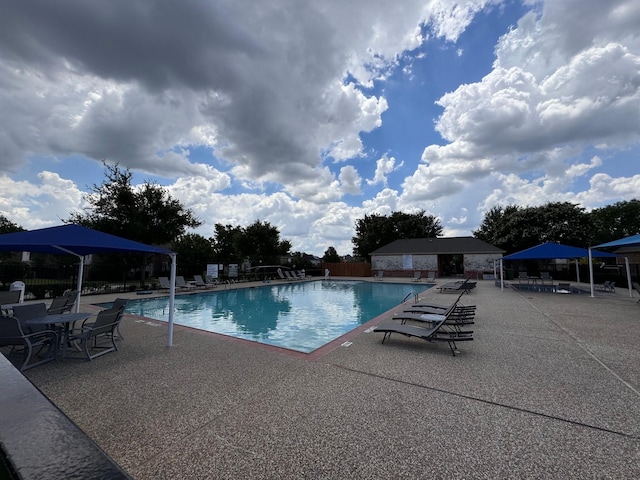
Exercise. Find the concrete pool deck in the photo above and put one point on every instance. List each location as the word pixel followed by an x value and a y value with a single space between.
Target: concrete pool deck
pixel 549 388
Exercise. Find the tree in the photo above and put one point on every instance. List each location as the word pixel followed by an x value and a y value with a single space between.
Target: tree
pixel 224 242
pixel 7 226
pixel 514 228
pixel 194 251
pixel 374 231
pixel 147 214
pixel 622 219
pixel 259 242
pixel 300 261
pixel 331 256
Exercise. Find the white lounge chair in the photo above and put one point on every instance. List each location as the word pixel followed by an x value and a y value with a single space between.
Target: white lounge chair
pixel 165 284
pixel 180 282
pixel 201 283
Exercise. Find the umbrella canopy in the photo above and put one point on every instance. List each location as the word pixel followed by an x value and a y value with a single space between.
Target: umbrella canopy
pixel 80 241
pixel 550 250
pixel 73 239
pixel 632 241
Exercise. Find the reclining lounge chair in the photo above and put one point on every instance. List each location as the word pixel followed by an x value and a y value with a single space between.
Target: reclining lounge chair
pixel 451 287
pixel 436 332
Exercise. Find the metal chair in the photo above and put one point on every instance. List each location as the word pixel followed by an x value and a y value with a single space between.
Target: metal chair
pixel 12 335
pixel 120 303
pixel 92 335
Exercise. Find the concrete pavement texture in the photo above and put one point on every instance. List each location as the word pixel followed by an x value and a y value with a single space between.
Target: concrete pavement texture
pixel 549 388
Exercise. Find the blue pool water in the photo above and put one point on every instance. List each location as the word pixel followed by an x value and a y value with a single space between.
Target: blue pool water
pixel 299 316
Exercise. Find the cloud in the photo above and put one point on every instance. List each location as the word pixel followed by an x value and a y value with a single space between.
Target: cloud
pixel 39 205
pixel 267 111
pixel 557 89
pixel 384 166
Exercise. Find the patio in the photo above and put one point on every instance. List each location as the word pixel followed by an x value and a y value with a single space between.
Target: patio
pixel 549 388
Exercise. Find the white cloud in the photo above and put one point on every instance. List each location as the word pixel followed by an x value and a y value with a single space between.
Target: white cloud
pixel 39 205
pixel 384 166
pixel 280 93
pixel 350 180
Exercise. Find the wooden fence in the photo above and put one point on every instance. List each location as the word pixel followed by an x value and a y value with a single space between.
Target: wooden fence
pixel 348 269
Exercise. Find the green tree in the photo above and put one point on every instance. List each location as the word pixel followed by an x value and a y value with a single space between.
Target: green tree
pixel 622 219
pixel 374 231
pixel 146 214
pixel 224 243
pixel 300 261
pixel 514 228
pixel 194 252
pixel 331 256
pixel 7 226
pixel 259 242
pixel 17 268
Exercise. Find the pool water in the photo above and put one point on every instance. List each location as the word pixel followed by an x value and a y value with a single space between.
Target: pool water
pixel 299 316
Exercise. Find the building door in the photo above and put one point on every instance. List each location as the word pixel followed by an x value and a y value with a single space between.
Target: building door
pixel 450 265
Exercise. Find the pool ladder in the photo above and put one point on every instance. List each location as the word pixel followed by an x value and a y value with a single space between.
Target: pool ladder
pixel 415 296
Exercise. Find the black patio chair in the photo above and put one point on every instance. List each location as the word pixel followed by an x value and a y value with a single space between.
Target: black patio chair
pixel 98 337
pixel 58 305
pixel 12 335
pixel 120 303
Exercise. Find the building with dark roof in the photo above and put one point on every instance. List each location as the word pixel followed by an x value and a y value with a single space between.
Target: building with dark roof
pixel 436 257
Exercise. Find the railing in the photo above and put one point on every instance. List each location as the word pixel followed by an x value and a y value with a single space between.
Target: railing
pixel 415 296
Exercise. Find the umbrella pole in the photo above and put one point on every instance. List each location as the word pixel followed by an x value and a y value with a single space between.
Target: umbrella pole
pixel 591 272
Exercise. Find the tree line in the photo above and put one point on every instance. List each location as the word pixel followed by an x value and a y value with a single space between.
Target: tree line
pixel 514 228
pixel 149 214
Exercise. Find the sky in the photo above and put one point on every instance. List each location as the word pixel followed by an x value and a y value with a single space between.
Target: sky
pixel 311 115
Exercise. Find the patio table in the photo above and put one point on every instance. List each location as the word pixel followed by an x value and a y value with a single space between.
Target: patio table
pixel 64 320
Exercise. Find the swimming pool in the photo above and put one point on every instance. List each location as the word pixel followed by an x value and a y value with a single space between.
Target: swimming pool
pixel 300 316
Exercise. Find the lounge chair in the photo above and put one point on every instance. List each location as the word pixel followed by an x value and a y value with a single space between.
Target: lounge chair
pixel 544 276
pixel 441 306
pixel 91 335
pixel 523 276
pixel 200 282
pixel 455 315
pixel 452 287
pixel 281 275
pixel 12 335
pixel 290 275
pixel 458 309
pixel 180 283
pixel 165 284
pixel 434 333
pixel 379 276
pixel 327 273
pixel 416 276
